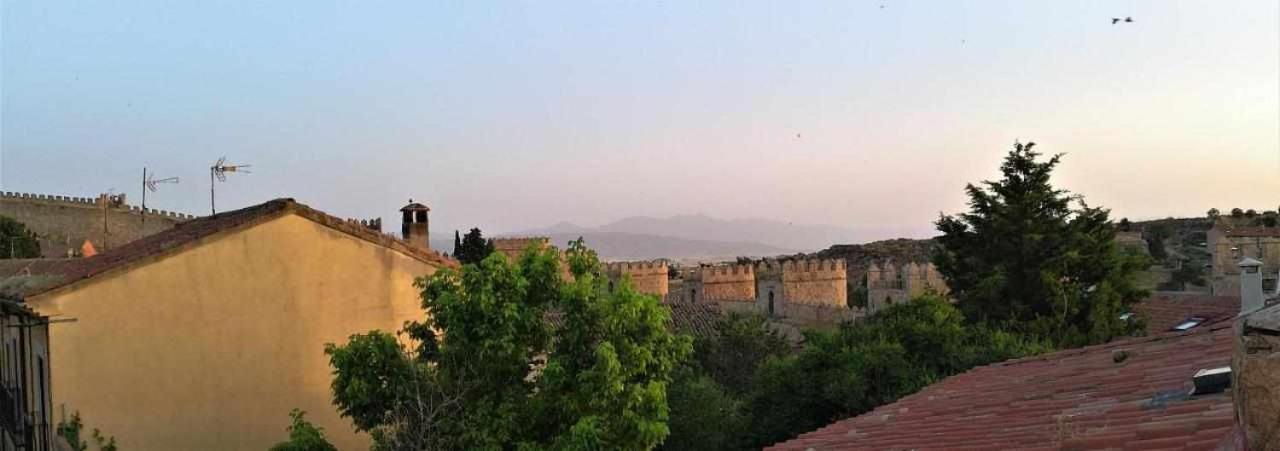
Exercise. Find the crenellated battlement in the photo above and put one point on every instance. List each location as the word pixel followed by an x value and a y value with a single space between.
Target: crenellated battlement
pixel 64 223
pixel 648 277
pixel 815 268
pixel 115 202
pixel 512 247
pixel 638 267
pixel 728 272
pixel 374 224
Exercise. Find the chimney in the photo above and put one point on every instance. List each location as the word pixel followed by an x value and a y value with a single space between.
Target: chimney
pixel 1251 295
pixel 414 225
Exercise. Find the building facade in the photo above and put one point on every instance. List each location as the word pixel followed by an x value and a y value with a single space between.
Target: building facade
pixel 1232 240
pixel 26 404
pixel 207 335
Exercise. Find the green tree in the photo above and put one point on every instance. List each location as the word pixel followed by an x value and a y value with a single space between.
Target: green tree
pixel 742 343
pixel 16 241
pixel 473 248
pixel 1125 225
pixel 495 375
pixel 303 436
pixel 1155 241
pixel 1213 214
pixel 1023 258
pixel 1236 212
pixel 891 354
pixel 704 415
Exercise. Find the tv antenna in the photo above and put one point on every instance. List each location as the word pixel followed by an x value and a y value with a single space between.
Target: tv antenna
pixel 219 171
pixel 149 183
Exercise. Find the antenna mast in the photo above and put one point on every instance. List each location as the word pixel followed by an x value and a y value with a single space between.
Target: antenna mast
pixel 219 171
pixel 149 183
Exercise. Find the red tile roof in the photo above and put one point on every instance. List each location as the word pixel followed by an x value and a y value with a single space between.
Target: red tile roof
pixel 63 272
pixel 1068 400
pixel 1165 310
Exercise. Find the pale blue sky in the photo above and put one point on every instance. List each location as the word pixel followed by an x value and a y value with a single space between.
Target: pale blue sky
pixel 509 115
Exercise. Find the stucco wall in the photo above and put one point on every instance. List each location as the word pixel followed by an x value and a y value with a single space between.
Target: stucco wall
pixel 64 222
pixel 211 347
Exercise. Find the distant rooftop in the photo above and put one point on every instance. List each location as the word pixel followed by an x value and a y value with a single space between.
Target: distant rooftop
pixel 1127 394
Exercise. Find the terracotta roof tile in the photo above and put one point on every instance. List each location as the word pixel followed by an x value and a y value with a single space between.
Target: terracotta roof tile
pixel 63 272
pixel 1072 399
pixel 1165 310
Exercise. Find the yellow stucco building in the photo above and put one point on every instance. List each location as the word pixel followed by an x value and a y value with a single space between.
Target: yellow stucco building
pixel 206 335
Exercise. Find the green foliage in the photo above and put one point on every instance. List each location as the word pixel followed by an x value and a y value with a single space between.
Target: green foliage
pixel 743 342
pixel 1236 213
pixel 72 429
pixel 16 241
pixel 704 415
pixel 1188 274
pixel 1213 214
pixel 1156 236
pixel 489 372
pixel 473 248
pixel 850 371
pixel 303 436
pixel 1024 259
pixel 1124 225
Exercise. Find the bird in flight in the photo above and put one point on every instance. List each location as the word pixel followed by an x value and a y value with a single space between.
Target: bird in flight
pixel 1115 20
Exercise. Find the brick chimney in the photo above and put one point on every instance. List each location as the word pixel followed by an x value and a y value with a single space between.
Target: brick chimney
pixel 414 225
pixel 1255 364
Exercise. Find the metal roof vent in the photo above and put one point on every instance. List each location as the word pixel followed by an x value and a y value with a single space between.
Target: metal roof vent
pixel 1211 380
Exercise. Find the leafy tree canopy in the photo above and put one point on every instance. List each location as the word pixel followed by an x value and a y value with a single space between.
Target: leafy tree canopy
pixel 863 365
pixel 16 241
pixel 488 371
pixel 472 248
pixel 1025 258
pixel 303 436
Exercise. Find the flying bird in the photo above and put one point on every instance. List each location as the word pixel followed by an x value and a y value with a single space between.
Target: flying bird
pixel 1128 20
pixel 1115 20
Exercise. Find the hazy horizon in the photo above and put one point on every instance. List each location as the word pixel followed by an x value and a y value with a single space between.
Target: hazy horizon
pixel 518 116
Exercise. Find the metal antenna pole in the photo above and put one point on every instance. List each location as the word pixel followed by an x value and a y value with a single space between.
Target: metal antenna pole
pixel 220 170
pixel 144 194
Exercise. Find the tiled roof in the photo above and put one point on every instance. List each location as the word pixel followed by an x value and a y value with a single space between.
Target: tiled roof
pixel 1165 310
pixel 698 320
pixel 62 272
pixel 1086 398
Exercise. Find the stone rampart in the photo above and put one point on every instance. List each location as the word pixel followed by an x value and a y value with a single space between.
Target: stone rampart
pixel 815 282
pixel 512 247
pixel 728 283
pixel 649 277
pixel 63 223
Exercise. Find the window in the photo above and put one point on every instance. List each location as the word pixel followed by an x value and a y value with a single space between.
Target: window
pixel 1189 323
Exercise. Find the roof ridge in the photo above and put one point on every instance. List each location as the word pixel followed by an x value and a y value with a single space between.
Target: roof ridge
pixel 183 234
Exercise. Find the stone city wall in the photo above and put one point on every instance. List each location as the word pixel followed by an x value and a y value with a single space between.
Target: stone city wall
pixel 649 277
pixel 63 223
pixel 815 282
pixel 728 283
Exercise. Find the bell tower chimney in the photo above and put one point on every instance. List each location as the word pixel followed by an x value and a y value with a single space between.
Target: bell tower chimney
pixel 414 225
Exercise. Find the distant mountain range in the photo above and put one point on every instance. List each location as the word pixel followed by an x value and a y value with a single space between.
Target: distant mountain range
pixel 701 237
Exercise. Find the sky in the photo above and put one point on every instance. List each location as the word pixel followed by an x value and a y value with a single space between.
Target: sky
pixel 515 115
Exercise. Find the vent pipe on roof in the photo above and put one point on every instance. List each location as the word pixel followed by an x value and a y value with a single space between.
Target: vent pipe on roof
pixel 1251 296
